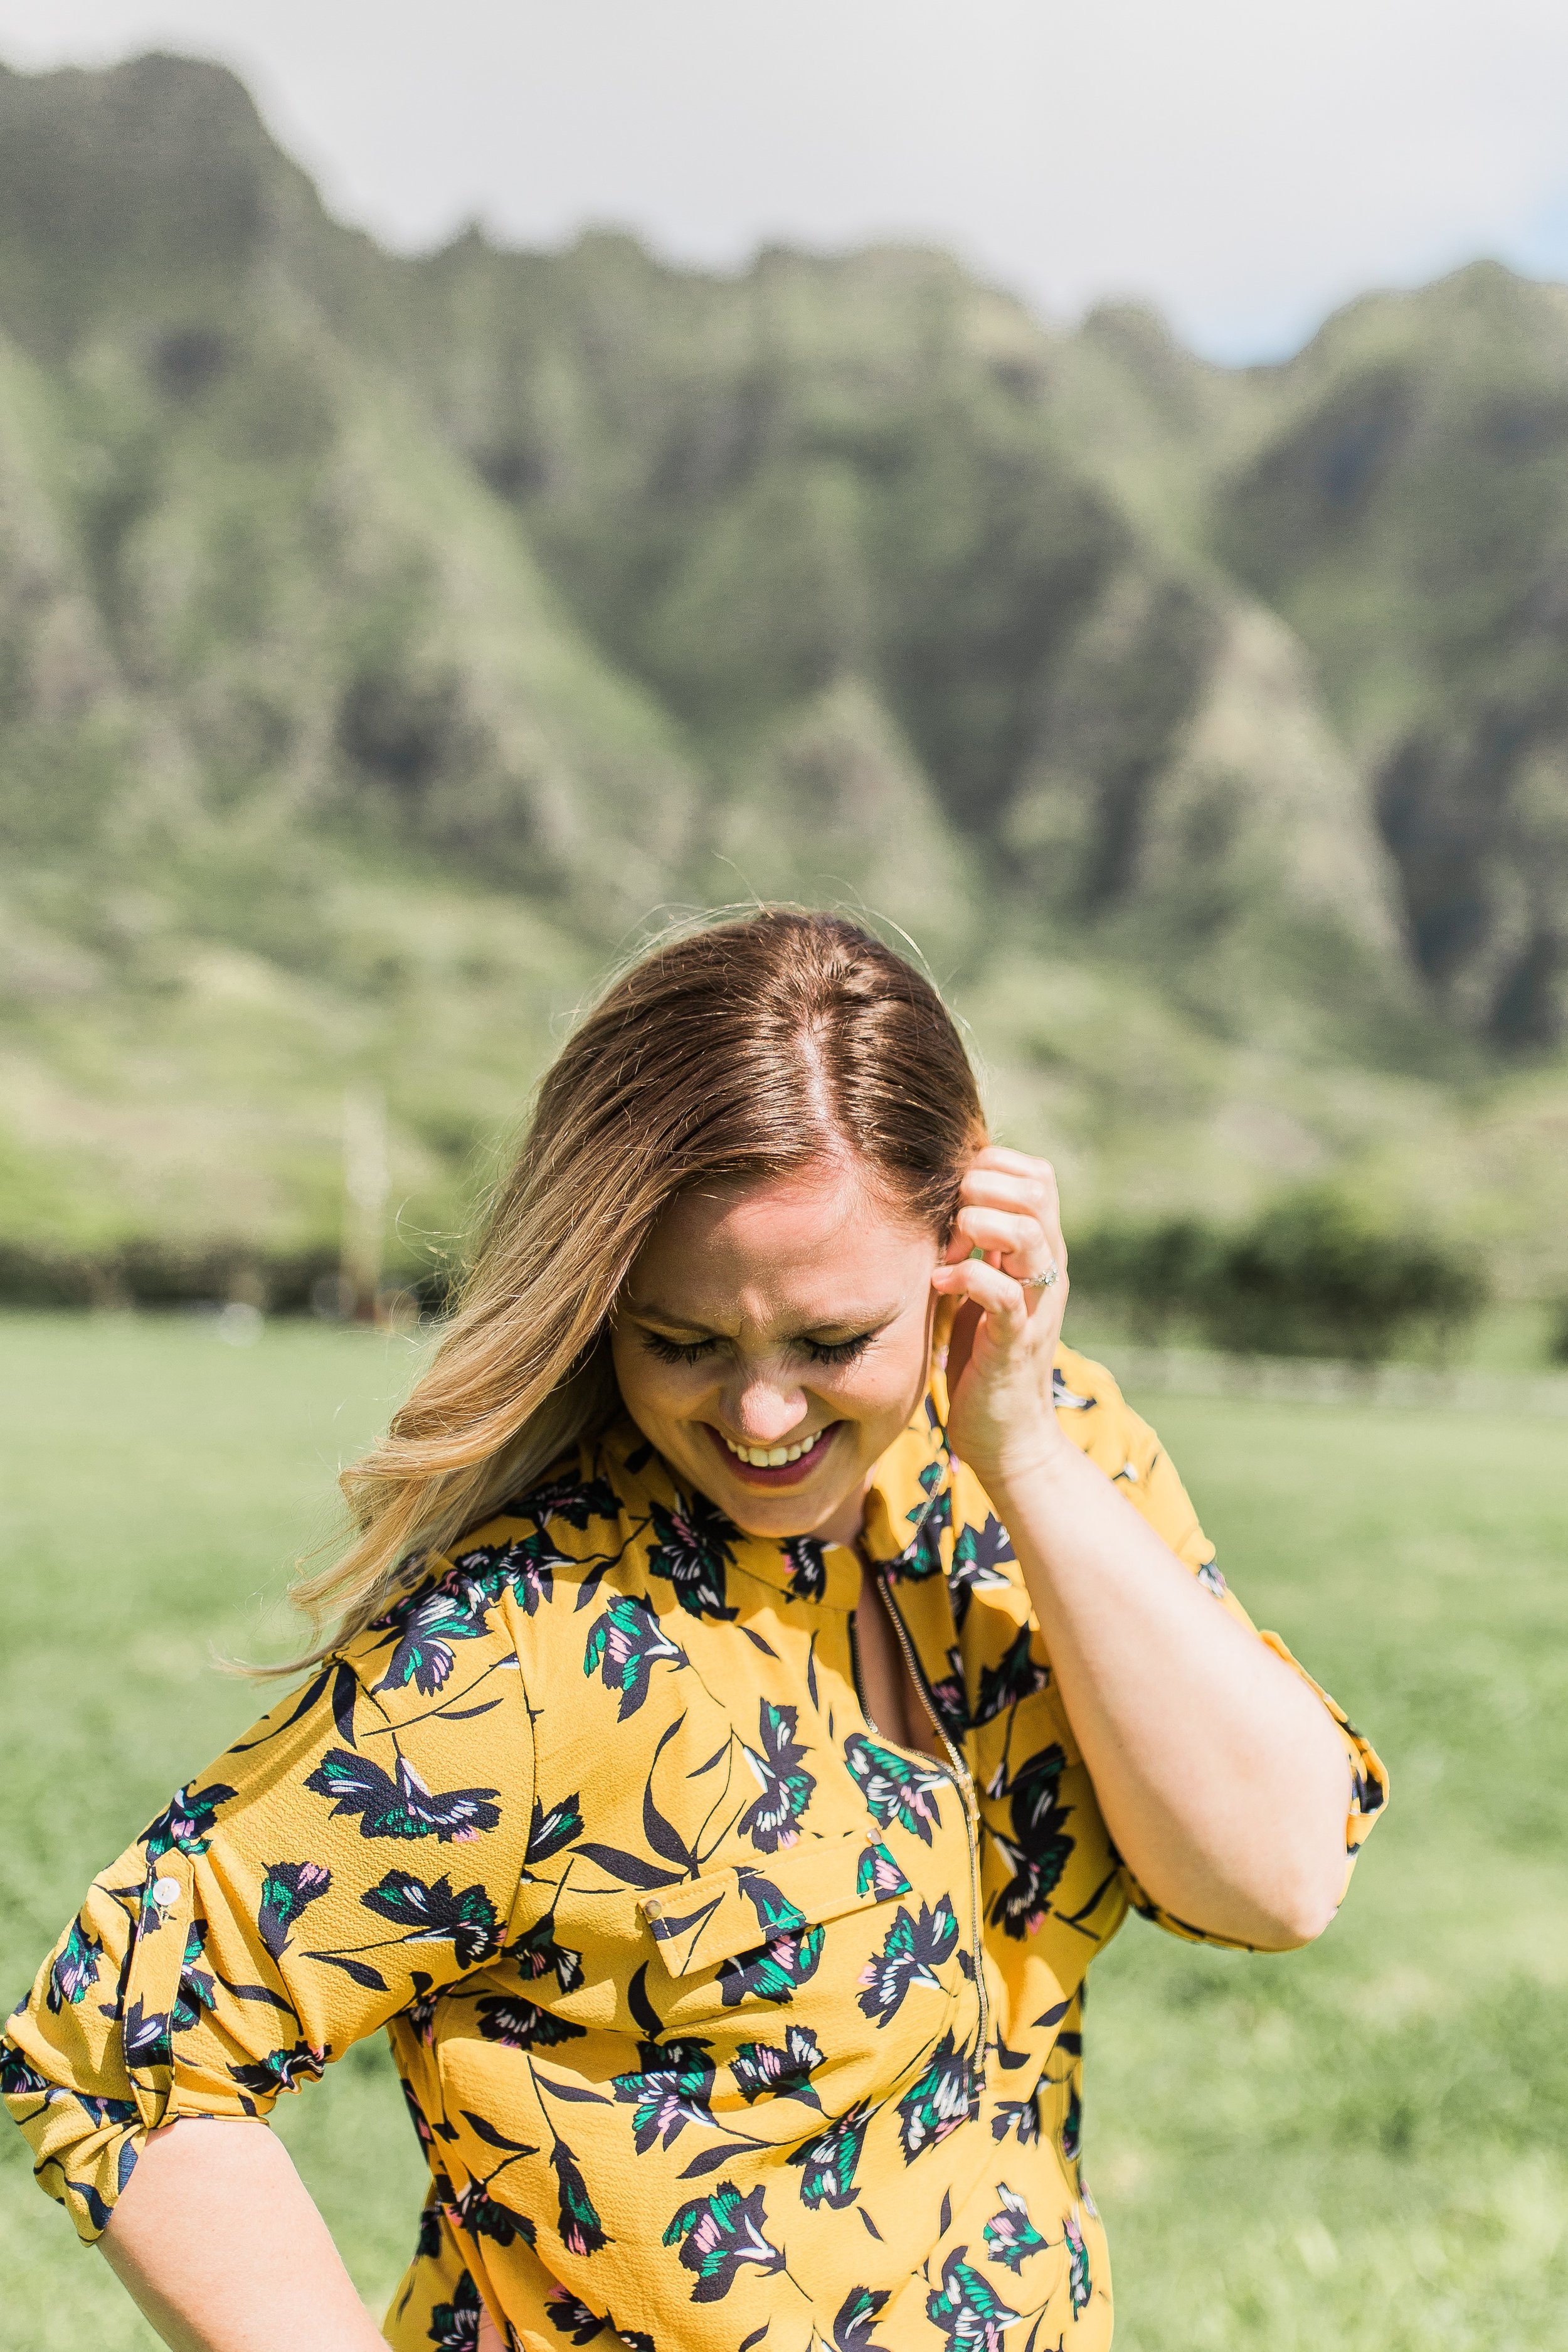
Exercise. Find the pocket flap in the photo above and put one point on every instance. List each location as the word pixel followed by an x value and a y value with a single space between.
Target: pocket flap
pixel 711 1919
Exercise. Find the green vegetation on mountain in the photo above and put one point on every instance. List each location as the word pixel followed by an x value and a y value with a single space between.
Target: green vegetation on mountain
pixel 1405 505
pixel 385 642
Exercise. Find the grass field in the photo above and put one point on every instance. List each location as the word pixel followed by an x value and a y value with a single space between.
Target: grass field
pixel 1365 2146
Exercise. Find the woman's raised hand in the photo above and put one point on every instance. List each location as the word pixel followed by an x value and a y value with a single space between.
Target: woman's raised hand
pixel 1001 1420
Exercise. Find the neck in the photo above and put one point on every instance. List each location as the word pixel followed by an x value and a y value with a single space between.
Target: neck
pixel 843 1523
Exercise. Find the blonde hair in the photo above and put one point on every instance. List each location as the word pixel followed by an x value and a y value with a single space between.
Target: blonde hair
pixel 740 1050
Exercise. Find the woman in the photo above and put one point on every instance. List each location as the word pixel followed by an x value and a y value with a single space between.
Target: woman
pixel 769 1668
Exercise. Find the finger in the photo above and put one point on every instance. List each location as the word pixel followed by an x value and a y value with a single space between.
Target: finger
pixel 1021 1194
pixel 1002 1189
pixel 1019 1205
pixel 999 1298
pixel 1028 1244
pixel 1013 1163
pixel 1005 1189
pixel 1019 1237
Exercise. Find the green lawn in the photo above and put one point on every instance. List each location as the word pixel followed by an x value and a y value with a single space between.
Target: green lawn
pixel 1365 2146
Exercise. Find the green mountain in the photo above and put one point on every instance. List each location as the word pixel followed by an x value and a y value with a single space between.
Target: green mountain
pixel 1404 504
pixel 385 641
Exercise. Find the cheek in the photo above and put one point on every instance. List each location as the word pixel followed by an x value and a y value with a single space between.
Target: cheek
pixel 657 1395
pixel 884 1385
pixel 649 1390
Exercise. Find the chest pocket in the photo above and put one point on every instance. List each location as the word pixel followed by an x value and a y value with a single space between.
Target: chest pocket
pixel 761 1926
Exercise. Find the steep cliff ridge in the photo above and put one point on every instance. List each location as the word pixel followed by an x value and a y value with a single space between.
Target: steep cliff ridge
pixel 302 609
pixel 873 469
pixel 1405 508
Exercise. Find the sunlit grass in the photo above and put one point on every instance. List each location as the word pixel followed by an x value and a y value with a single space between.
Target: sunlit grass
pixel 1364 2145
pixel 160 1484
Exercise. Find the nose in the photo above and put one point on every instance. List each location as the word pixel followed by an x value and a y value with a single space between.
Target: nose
pixel 764 1410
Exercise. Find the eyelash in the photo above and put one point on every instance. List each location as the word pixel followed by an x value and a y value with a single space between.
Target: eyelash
pixel 692 1351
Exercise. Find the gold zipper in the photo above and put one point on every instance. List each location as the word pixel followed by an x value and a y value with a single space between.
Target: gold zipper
pixel 957 1770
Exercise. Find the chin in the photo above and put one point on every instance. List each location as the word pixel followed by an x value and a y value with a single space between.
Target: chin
pixel 776 1517
pixel 780 1520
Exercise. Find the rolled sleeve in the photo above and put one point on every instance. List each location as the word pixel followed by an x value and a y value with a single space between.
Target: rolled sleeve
pixel 342 1861
pixel 1369 1794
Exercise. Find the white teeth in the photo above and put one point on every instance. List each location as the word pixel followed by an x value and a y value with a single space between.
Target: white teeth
pixel 771 1457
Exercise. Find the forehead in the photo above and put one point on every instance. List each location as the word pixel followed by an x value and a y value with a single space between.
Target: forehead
pixel 817 1240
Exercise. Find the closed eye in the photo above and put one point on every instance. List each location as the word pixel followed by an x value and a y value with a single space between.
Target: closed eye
pixel 838 1351
pixel 692 1351
pixel 676 1352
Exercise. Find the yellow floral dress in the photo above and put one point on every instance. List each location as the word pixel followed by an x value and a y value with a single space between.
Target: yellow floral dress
pixel 723 2020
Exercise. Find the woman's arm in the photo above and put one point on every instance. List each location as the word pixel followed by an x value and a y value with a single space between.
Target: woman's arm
pixel 287 1904
pixel 1222 1778
pixel 218 2240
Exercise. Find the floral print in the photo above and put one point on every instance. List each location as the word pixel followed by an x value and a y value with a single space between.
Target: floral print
pixel 74 1971
pixel 719 2016
pixel 1011 2236
pixel 716 2234
pixel 910 1955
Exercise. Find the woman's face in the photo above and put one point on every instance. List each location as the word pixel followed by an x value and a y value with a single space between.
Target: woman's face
pixel 772 1341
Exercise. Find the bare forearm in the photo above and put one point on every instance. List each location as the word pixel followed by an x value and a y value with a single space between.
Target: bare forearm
pixel 216 2239
pixel 1221 1776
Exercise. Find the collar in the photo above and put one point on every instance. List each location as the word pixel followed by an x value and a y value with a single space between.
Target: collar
pixel 908 1483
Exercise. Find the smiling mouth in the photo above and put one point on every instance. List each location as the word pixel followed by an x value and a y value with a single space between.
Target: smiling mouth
pixel 775 1465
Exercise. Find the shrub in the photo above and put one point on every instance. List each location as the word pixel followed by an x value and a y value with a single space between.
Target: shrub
pixel 1311 1275
pixel 40 1275
pixel 1160 1272
pixel 157 1272
pixel 1557 1335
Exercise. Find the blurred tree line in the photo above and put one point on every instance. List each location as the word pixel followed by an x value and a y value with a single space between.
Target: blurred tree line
pixel 1310 1274
pixel 160 1274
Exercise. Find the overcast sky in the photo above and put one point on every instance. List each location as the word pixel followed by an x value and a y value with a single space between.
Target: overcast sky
pixel 1246 164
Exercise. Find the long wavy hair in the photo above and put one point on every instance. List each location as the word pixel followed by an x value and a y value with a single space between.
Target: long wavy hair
pixel 742 1049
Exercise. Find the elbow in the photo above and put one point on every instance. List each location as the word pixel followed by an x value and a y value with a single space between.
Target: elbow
pixel 1296 1924
pixel 1309 1880
pixel 1303 1906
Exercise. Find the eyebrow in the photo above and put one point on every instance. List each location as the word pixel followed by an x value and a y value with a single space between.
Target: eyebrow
pixel 649 1310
